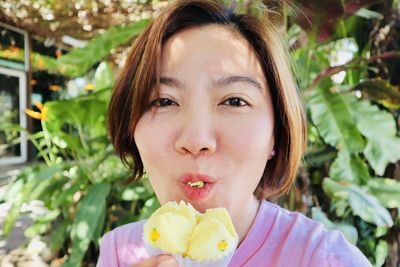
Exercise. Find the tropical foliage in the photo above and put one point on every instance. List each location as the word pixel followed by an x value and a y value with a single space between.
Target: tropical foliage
pixel 353 135
pixel 345 181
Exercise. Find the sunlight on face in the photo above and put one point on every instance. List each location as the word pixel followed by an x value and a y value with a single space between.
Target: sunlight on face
pixel 213 118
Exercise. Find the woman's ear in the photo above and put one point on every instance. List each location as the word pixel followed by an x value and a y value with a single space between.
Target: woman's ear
pixel 272 154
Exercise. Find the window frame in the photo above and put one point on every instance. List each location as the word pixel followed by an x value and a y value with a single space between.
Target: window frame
pixel 21 75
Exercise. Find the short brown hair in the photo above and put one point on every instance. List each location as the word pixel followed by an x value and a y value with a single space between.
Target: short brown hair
pixel 141 75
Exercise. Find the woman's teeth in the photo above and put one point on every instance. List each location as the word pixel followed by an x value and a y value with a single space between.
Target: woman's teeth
pixel 198 184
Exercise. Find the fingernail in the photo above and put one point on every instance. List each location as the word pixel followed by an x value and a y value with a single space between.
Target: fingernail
pixel 170 262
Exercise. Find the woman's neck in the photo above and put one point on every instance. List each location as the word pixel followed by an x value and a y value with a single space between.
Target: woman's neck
pixel 244 220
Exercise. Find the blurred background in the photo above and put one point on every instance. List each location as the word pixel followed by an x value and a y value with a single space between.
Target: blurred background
pixel 62 187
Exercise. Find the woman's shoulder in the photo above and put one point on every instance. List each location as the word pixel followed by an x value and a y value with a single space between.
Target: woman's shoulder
pixel 127 232
pixel 334 250
pixel 123 246
pixel 293 233
pixel 295 222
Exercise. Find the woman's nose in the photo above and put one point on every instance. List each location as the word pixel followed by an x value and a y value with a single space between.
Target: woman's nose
pixel 197 134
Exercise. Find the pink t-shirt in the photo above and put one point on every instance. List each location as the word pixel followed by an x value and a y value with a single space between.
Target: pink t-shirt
pixel 277 237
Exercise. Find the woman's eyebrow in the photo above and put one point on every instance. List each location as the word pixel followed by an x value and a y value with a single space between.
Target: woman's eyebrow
pixel 226 81
pixel 173 82
pixel 220 82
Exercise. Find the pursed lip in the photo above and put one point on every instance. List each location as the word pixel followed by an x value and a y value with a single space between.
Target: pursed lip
pixel 197 193
pixel 195 177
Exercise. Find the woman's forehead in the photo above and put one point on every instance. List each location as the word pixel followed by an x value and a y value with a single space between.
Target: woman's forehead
pixel 211 35
pixel 211 49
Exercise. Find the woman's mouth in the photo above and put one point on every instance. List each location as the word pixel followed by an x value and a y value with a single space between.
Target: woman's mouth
pixel 197 186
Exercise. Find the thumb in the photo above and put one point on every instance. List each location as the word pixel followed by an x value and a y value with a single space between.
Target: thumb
pixel 158 261
pixel 167 261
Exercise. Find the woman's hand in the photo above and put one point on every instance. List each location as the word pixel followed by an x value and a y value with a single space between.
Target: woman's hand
pixel 158 261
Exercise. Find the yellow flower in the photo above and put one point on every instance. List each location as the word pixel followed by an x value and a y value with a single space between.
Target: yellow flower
pixel 38 105
pixel 222 246
pixel 89 86
pixel 54 87
pixel 15 49
pixel 58 53
pixel 154 235
pixel 40 63
pixel 42 115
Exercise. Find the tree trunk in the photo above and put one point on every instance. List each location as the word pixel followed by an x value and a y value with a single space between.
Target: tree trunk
pixel 393 259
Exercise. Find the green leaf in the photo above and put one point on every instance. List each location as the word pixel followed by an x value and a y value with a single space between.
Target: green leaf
pixel 335 190
pixel 380 231
pixel 380 152
pixel 14 211
pixel 11 127
pixel 149 207
pixel 43 180
pixel 381 91
pixel 59 235
pixel 78 61
pixel 87 129
pixel 342 208
pixel 49 217
pixel 37 229
pixel 312 62
pixel 379 127
pixel 371 121
pixel 89 212
pixel 386 190
pixel 339 197
pixel 44 172
pixel 71 112
pixel 26 184
pixel 135 192
pixel 99 227
pixel 332 118
pixel 64 198
pixel 368 14
pixel 318 215
pixel 14 188
pixel 130 194
pixel 381 253
pixel 363 204
pixel 349 167
pixel 103 77
pixel 368 208
pixel 42 62
pixel 12 214
pixel 348 230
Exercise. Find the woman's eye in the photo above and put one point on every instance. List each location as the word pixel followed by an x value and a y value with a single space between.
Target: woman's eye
pixel 236 102
pixel 162 102
pixel 166 102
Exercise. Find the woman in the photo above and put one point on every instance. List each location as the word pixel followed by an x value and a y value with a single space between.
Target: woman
pixel 207 95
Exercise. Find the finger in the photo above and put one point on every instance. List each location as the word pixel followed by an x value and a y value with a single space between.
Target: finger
pixel 158 261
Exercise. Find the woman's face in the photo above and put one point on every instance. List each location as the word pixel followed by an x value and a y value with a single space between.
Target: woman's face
pixel 207 138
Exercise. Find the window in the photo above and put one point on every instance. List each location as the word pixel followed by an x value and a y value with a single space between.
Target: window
pixel 13 146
